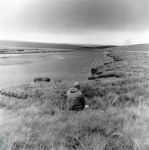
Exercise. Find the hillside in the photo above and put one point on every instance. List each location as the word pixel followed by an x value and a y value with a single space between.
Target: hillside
pixel 37 47
pixel 136 47
pixel 23 44
pixel 35 116
pixel 20 47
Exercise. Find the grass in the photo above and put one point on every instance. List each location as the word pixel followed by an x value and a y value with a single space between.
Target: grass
pixel 42 79
pixel 117 118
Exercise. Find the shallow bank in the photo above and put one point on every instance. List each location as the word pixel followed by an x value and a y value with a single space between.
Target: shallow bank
pixel 118 112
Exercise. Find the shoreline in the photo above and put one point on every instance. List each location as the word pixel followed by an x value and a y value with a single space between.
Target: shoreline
pixel 7 86
pixel 29 108
pixel 31 51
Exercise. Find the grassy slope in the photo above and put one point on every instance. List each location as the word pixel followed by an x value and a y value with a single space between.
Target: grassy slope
pixel 33 117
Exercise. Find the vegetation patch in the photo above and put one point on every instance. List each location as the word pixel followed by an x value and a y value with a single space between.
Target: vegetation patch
pixel 19 95
pixel 117 118
pixel 42 79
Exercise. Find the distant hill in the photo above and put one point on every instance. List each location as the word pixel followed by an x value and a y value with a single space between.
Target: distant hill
pixel 20 44
pixel 136 47
pixel 99 47
pixel 23 44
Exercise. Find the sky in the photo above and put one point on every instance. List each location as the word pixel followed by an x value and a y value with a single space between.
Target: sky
pixel 75 21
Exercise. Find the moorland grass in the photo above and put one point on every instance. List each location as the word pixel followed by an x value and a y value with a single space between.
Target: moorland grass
pixel 117 118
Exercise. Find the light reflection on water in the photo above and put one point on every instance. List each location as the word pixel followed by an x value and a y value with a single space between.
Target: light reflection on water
pixel 22 68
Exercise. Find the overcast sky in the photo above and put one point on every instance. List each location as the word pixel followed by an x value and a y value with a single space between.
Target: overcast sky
pixel 75 21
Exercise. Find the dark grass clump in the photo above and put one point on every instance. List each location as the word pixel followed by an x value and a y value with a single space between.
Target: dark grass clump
pixel 18 95
pixel 42 79
pixel 101 69
pixel 112 74
pixel 93 78
pixel 115 56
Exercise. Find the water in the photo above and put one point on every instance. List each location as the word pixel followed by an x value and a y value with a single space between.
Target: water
pixel 22 68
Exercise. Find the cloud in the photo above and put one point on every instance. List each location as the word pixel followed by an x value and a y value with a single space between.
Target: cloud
pixel 85 15
pixel 73 19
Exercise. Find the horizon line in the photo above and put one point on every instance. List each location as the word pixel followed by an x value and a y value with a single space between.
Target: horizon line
pixel 69 43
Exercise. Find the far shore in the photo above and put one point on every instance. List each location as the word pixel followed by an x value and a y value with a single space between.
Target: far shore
pixel 31 50
pixel 44 50
pixel 24 50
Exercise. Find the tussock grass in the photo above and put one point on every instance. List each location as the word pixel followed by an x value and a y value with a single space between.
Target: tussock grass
pixel 115 56
pixel 42 79
pixel 117 117
pixel 112 74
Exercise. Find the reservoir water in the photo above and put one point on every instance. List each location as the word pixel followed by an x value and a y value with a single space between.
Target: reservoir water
pixel 22 68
